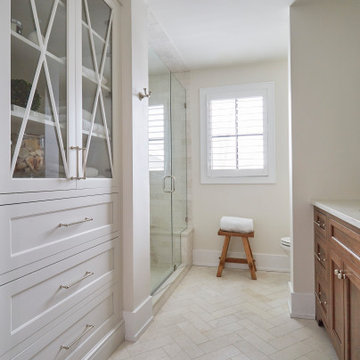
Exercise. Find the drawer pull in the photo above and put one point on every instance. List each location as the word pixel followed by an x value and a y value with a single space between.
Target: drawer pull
pixel 86 275
pixel 318 298
pixel 319 224
pixel 88 328
pixel 317 255
pixel 76 222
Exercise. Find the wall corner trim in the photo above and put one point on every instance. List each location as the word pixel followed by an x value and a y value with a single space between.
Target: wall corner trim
pixel 138 320
pixel 302 305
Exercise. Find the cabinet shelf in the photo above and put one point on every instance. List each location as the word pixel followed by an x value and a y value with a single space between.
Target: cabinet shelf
pixel 94 32
pixel 17 115
pixel 38 120
pixel 28 42
pixel 94 134
pixel 90 75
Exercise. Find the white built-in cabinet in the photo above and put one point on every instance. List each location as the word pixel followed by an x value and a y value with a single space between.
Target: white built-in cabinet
pixel 60 98
pixel 59 179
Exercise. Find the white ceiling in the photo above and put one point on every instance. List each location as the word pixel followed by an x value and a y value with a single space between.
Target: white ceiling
pixel 207 33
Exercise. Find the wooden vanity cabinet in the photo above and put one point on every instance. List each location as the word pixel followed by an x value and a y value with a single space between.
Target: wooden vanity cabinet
pixel 337 282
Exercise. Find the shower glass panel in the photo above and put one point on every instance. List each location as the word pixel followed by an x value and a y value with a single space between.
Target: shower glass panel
pixel 167 163
pixel 160 167
pixel 178 146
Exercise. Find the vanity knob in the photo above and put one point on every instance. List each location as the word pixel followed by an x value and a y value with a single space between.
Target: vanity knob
pixel 340 274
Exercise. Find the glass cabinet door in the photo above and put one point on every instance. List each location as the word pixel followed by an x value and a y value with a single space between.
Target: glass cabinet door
pixel 39 111
pixel 97 101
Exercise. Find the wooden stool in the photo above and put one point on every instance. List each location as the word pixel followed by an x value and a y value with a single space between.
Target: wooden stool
pixel 249 256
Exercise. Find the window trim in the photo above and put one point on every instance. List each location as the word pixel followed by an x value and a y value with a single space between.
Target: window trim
pixel 249 176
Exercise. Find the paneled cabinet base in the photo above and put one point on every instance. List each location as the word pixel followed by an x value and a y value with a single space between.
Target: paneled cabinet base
pixel 337 282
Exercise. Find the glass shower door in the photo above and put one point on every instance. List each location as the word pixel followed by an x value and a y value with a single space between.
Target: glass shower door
pixel 167 162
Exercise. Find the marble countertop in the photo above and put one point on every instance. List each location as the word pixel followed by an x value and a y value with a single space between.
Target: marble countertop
pixel 346 210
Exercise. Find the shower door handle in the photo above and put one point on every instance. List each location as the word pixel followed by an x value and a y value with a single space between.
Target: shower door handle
pixel 164 184
pixel 173 183
pixel 172 189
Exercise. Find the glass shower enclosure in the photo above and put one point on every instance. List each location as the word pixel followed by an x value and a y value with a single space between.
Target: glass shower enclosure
pixel 167 164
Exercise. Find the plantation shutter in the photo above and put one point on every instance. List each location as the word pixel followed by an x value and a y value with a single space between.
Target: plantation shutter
pixel 156 137
pixel 236 133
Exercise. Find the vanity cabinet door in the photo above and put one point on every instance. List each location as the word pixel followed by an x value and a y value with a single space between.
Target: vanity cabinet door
pixel 337 301
pixel 352 309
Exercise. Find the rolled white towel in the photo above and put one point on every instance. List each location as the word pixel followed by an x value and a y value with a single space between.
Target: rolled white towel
pixel 236 224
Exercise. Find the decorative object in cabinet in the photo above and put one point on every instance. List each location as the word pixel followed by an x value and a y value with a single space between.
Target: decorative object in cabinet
pixel 16 26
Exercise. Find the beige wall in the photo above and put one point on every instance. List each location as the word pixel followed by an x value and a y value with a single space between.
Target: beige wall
pixel 135 171
pixel 267 204
pixel 325 78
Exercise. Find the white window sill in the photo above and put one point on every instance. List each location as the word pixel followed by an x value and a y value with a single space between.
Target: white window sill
pixel 248 180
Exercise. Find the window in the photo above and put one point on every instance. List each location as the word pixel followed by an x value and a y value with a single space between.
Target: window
pixel 156 138
pixel 237 134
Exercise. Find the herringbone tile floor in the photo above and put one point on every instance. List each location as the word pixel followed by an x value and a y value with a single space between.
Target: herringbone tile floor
pixel 233 317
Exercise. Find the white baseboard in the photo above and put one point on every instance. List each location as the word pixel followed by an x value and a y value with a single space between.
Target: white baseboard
pixel 301 305
pixel 137 321
pixel 266 262
pixel 108 344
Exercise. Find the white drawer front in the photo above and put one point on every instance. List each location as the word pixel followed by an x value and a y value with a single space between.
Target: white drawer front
pixel 32 302
pixel 34 231
pixel 100 309
pixel 75 338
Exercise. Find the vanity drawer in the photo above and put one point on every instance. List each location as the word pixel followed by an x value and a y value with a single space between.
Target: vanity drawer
pixel 347 237
pixel 34 301
pixel 37 230
pixel 320 223
pixel 322 299
pixel 320 252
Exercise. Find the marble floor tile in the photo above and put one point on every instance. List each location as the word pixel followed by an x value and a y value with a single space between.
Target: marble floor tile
pixel 229 318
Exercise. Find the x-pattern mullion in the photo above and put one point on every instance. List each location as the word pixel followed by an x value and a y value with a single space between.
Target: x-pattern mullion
pixel 42 61
pixel 99 76
pixel 43 45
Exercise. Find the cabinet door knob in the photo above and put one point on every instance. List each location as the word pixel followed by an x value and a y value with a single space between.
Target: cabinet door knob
pixel 340 274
